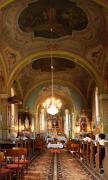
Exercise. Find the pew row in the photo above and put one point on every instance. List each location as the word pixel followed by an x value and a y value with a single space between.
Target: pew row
pixel 94 156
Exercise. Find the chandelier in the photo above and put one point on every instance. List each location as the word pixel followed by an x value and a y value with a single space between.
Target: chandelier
pixel 52 104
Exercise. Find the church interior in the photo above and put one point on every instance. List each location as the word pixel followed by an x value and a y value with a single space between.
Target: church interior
pixel 53 89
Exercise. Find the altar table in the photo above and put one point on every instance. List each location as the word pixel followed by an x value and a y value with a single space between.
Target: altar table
pixel 56 146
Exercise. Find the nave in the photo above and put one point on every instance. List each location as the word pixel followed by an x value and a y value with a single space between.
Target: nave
pixel 57 166
pixel 54 88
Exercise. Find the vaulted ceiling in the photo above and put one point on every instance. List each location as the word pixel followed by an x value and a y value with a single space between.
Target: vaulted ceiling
pixel 73 32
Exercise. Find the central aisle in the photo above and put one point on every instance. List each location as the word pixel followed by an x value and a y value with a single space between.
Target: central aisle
pixel 68 168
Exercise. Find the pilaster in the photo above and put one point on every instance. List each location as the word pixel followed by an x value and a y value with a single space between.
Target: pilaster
pixel 104 112
pixel 3 116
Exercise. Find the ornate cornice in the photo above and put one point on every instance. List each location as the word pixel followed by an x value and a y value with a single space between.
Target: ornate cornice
pixel 4 96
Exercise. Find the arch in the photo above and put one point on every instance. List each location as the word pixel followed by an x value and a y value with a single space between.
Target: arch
pixel 69 85
pixel 62 54
pixel 5 3
pixel 66 99
pixel 105 62
pixel 34 98
pixel 19 88
pixel 100 2
pixel 70 102
pixel 4 71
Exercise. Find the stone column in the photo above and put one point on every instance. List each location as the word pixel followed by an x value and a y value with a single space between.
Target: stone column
pixel 4 130
pixel 37 123
pixel 104 112
pixel 74 115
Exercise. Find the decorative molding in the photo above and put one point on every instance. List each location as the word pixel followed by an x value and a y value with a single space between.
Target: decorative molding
pixel 4 96
pixel 4 3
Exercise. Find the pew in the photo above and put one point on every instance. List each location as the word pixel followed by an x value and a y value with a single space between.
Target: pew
pixel 91 155
pixel 84 150
pixel 105 162
pixel 29 144
pixel 68 145
pixel 99 157
pixel 93 150
pixel 40 145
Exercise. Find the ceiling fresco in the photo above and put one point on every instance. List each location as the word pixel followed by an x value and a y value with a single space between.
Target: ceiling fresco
pixel 59 64
pixel 39 94
pixel 62 16
pixel 79 34
pixel 39 71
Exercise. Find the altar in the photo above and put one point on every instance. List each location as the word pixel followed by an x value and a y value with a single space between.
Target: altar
pixel 55 146
pixel 58 138
pixel 55 124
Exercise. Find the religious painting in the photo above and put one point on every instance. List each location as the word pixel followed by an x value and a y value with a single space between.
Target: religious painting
pixel 11 56
pixel 55 122
pixel 49 124
pixel 97 55
pixel 62 16
pixel 83 122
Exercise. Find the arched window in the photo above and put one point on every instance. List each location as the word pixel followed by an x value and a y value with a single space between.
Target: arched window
pixel 42 120
pixel 97 104
pixel 67 122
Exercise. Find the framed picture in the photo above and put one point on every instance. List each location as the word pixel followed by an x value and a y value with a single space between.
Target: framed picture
pixel 55 123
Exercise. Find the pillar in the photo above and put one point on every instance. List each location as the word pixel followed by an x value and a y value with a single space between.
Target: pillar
pixel 104 112
pixel 37 123
pixel 4 117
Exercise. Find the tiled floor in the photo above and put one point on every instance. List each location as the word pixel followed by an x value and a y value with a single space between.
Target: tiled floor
pixel 41 168
pixel 68 168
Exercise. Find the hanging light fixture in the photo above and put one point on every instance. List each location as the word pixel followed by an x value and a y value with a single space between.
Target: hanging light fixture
pixel 52 108
pixel 52 104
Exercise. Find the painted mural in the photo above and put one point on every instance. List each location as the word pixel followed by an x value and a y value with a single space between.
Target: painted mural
pixel 38 91
pixel 12 57
pixel 40 16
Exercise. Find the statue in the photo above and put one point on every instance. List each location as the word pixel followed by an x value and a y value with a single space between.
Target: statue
pixel 83 124
pixel 27 123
